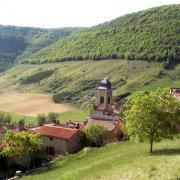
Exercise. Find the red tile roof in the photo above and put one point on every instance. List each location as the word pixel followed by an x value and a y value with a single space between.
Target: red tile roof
pixel 55 131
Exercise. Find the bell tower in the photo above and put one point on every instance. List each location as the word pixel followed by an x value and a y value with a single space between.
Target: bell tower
pixel 104 95
pixel 103 105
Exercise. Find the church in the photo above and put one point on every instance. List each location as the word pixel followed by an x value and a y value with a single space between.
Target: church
pixel 103 113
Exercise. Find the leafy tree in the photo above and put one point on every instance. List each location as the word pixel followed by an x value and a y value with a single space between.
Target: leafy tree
pixel 52 117
pixel 90 109
pixel 41 119
pixel 20 143
pixel 5 119
pixel 152 116
pixel 97 135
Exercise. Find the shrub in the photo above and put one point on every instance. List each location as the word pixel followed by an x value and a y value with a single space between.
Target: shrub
pixel 52 117
pixel 41 119
pixel 97 135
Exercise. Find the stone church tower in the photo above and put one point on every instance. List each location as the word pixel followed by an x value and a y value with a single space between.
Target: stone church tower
pixel 103 106
pixel 103 113
pixel 104 95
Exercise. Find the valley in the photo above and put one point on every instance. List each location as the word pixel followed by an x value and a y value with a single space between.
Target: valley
pixel 17 101
pixel 76 82
pixel 30 104
pixel 80 74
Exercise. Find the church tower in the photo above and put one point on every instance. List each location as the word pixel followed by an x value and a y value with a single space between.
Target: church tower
pixel 104 95
pixel 103 106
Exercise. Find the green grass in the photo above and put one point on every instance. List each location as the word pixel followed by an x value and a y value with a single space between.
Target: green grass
pixel 75 115
pixel 15 118
pixel 76 82
pixel 121 160
pixel 79 115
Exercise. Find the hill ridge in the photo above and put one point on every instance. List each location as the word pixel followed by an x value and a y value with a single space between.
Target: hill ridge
pixel 152 34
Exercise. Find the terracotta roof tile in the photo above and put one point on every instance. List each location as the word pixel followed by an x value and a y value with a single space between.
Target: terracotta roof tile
pixel 55 131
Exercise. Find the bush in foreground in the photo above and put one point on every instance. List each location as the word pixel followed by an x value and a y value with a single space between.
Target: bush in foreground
pixel 97 135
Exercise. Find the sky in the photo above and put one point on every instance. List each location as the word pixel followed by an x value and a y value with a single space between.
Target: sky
pixel 70 13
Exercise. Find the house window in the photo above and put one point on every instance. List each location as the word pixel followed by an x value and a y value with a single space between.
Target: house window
pixel 109 100
pixel 101 100
pixel 51 138
pixel 50 150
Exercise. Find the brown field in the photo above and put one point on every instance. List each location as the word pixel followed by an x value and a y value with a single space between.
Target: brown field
pixel 16 101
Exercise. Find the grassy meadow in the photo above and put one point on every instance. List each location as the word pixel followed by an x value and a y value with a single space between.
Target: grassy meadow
pixel 120 160
pixel 76 82
pixel 28 90
pixel 75 115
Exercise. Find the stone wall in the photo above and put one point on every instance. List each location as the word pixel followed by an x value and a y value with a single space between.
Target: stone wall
pixel 59 145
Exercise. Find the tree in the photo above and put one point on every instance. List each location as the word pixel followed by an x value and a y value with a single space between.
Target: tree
pixel 41 119
pixel 20 143
pixel 91 108
pixel 152 116
pixel 5 119
pixel 52 117
pixel 97 135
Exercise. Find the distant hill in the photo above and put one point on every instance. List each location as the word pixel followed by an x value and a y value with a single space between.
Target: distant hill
pixel 76 82
pixel 21 42
pixel 153 34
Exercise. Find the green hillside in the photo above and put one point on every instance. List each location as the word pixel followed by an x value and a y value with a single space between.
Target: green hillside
pixel 123 160
pixel 153 34
pixel 76 82
pixel 20 42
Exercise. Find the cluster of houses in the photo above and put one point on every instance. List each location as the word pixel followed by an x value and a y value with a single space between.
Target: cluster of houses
pixel 66 138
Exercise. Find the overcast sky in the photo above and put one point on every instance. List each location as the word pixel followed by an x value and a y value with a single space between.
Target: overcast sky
pixel 64 13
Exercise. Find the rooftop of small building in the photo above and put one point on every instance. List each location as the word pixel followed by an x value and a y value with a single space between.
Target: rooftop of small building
pixel 53 130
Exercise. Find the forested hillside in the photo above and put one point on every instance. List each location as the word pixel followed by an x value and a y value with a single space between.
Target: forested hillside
pixel 20 42
pixel 153 34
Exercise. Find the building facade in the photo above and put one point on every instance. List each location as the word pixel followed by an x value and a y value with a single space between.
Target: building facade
pixel 59 140
pixel 103 113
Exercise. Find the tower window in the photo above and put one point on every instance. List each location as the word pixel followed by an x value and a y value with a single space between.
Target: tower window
pixel 109 100
pixel 102 100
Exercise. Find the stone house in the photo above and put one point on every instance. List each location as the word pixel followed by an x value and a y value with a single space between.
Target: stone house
pixel 59 140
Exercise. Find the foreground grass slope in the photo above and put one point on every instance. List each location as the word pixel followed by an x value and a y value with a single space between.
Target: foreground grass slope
pixel 123 160
pixel 152 34
pixel 76 82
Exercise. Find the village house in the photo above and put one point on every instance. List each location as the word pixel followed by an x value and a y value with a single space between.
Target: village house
pixel 103 113
pixel 59 140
